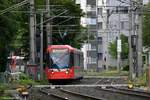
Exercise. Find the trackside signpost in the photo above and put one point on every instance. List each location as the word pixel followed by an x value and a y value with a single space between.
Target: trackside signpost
pixel 119 49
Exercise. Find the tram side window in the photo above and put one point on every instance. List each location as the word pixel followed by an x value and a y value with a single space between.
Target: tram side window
pixel 71 59
pixel 81 61
pixel 77 60
pixel 48 60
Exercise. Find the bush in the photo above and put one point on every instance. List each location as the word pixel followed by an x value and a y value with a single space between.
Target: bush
pixel 25 80
pixel 23 77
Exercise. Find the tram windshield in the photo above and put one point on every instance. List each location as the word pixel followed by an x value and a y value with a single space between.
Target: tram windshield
pixel 59 58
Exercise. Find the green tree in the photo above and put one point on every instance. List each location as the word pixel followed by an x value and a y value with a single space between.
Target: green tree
pixel 61 34
pixel 146 27
pixel 124 45
pixel 14 26
pixel 67 34
pixel 113 49
pixel 7 32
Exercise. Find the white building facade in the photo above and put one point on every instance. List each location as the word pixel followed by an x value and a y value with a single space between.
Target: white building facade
pixel 106 20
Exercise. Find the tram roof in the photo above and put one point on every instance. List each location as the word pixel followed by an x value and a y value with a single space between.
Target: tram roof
pixel 16 57
pixel 63 47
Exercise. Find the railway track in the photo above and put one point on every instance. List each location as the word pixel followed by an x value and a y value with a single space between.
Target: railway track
pixel 133 92
pixel 98 80
pixel 105 80
pixel 126 94
pixel 64 94
pixel 92 89
pixel 53 94
pixel 91 92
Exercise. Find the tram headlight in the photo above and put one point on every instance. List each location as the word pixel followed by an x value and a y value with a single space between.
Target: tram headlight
pixel 52 72
pixel 67 71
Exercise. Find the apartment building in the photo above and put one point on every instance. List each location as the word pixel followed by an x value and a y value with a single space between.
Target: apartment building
pixel 105 20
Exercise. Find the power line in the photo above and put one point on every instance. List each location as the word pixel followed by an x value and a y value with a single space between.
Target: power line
pixel 51 18
pixel 38 11
pixel 64 21
pixel 51 5
pixel 14 6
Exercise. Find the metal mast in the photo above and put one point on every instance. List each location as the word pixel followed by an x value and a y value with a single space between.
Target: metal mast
pixel 32 31
pixel 129 41
pixel 48 26
pixel 41 51
pixel 119 44
pixel 139 46
pixel 97 46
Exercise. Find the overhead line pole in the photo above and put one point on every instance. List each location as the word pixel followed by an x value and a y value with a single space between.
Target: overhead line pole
pixel 119 45
pixel 48 26
pixel 129 41
pixel 97 44
pixel 139 46
pixel 32 32
pixel 41 51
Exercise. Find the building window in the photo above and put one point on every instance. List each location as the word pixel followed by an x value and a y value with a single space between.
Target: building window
pixel 122 10
pixel 100 11
pixel 100 56
pixel 124 25
pixel 100 40
pixel 93 47
pixel 108 12
pixel 91 2
pixel 91 14
pixel 93 60
pixel 91 21
pixel 100 25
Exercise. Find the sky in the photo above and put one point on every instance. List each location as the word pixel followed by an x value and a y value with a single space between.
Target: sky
pixel 145 1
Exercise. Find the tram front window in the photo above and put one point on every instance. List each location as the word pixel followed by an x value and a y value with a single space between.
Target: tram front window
pixel 59 58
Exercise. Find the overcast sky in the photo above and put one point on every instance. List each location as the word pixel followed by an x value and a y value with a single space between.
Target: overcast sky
pixel 145 1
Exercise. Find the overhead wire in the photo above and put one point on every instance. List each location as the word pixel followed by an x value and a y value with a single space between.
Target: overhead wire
pixel 13 7
pixel 51 18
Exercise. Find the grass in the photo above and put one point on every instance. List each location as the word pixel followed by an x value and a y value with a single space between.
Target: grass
pixel 3 87
pixel 105 73
pixel 140 81
pixel 3 95
pixel 25 80
pixel 6 97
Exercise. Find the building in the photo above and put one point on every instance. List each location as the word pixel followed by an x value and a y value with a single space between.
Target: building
pixel 105 20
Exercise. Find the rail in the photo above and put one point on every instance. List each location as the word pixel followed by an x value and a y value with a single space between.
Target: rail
pixel 64 94
pixel 127 92
pixel 52 94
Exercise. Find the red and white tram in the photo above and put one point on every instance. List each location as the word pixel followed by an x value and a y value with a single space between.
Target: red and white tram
pixel 64 63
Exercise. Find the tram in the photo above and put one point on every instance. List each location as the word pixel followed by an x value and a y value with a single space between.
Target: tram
pixel 64 63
